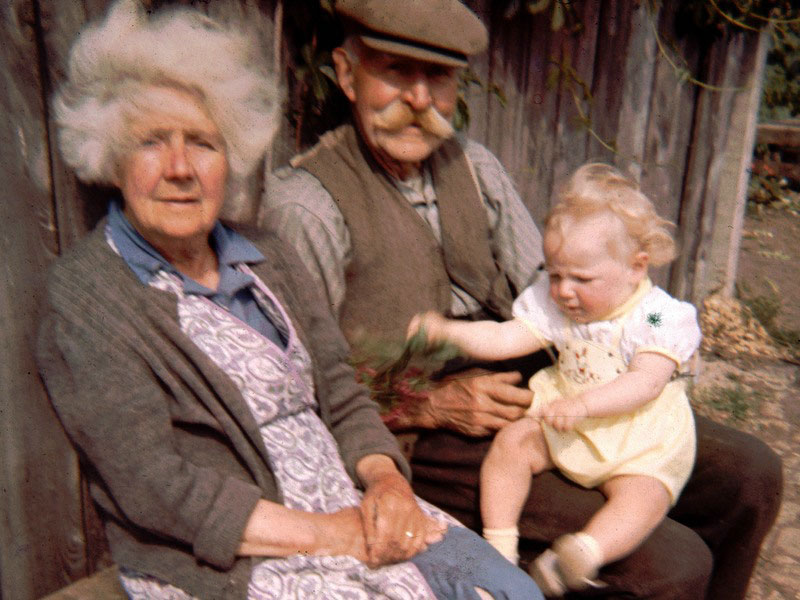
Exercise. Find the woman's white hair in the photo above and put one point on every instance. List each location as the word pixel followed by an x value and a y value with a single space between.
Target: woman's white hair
pixel 115 61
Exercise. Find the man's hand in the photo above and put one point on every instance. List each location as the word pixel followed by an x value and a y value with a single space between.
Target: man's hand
pixel 474 402
pixel 395 528
pixel 562 414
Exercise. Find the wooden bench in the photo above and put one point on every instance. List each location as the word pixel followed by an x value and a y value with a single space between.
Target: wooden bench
pixel 103 585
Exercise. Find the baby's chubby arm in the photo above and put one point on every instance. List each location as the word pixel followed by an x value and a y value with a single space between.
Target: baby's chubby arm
pixel 483 340
pixel 644 380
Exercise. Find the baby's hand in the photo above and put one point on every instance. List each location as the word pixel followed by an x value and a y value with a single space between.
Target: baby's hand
pixel 562 414
pixel 432 322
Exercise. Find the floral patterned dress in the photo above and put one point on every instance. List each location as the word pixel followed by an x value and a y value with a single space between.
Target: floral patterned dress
pixel 278 386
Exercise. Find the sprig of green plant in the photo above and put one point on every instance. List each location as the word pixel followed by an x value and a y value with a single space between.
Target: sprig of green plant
pixel 396 371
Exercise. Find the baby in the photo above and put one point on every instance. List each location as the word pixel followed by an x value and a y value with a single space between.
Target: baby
pixel 609 415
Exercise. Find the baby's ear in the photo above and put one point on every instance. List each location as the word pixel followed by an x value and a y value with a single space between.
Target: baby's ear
pixel 640 262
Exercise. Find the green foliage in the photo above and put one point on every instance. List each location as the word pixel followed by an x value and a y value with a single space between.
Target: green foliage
pixel 781 97
pixel 713 18
pixel 736 402
pixel 314 104
pixel 398 371
pixel 561 12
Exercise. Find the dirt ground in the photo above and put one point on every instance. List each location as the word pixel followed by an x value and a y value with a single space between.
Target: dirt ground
pixel 762 395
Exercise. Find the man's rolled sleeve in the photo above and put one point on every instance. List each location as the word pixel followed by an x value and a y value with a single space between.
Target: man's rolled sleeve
pixel 299 210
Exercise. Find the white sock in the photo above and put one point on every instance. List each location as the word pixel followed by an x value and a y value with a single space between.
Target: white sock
pixel 505 541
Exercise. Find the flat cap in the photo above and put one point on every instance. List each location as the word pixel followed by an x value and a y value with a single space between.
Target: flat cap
pixel 439 31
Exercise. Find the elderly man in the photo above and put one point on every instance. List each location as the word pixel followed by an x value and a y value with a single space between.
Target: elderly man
pixel 393 216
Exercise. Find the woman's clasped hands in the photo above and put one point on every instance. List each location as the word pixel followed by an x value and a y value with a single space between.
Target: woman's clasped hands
pixel 394 526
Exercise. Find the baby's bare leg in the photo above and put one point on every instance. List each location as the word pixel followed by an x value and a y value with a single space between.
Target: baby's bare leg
pixel 635 505
pixel 518 451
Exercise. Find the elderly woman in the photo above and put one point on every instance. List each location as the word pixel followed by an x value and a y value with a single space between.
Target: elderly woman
pixel 227 445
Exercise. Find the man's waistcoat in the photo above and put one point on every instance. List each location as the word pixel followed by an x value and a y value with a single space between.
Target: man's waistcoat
pixel 398 268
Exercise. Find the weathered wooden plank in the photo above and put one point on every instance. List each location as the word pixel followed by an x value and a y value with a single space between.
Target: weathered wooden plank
pixel 613 42
pixel 636 84
pixel 77 207
pixel 781 133
pixel 509 38
pixel 534 168
pixel 522 133
pixel 477 99
pixel 746 58
pixel 39 471
pixel 669 127
pixel 577 58
pixel 693 274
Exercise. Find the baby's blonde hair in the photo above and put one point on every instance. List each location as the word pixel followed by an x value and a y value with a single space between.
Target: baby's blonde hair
pixel 597 188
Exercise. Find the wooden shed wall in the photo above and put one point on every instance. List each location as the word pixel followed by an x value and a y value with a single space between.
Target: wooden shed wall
pixel 689 145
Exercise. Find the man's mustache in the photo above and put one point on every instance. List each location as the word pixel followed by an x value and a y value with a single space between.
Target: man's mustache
pixel 398 115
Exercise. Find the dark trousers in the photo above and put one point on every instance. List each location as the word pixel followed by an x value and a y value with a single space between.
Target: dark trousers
pixel 707 548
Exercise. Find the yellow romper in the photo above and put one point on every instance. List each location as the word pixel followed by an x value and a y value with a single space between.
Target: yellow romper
pixel 657 440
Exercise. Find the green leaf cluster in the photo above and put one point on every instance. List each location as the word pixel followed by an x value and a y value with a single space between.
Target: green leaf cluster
pixel 395 371
pixel 710 19
pixel 781 96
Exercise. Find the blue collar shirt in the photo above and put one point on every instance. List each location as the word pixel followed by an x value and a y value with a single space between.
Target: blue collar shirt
pixel 234 292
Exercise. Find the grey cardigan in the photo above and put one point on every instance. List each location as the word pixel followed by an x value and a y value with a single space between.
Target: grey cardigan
pixel 174 459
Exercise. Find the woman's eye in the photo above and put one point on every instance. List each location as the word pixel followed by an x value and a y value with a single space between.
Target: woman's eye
pixel 583 279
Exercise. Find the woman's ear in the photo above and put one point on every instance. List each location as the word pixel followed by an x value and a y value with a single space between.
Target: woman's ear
pixel 343 65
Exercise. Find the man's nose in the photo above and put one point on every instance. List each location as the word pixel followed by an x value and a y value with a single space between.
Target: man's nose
pixel 418 93
pixel 177 161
